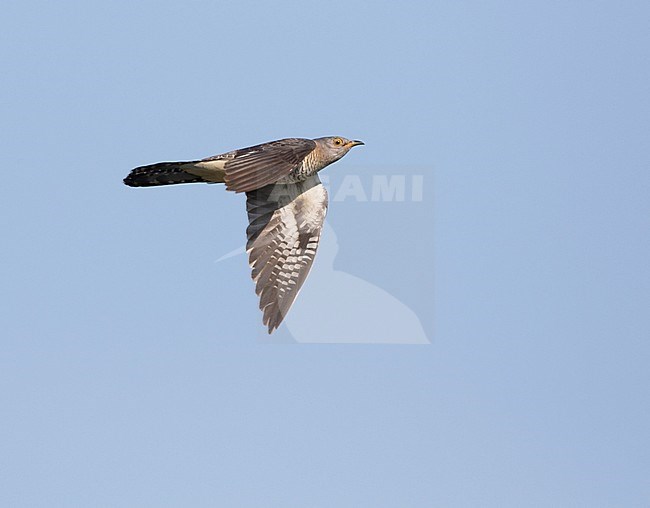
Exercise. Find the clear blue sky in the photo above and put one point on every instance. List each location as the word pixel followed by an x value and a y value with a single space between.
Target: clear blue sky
pixel 134 369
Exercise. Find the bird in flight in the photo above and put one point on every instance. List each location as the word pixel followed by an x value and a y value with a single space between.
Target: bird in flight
pixel 286 204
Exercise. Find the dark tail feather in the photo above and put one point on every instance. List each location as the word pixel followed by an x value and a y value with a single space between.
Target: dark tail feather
pixel 163 173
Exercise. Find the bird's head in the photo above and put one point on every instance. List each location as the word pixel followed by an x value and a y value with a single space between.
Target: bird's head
pixel 336 147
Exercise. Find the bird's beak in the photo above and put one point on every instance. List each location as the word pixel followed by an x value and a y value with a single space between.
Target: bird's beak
pixel 355 143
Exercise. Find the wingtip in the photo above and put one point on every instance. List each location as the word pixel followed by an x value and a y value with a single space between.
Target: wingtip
pixel 272 325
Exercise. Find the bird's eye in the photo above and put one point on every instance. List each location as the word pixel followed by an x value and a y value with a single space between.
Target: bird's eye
pixel 338 141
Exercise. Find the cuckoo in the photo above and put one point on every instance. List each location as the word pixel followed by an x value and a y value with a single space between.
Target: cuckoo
pixel 286 204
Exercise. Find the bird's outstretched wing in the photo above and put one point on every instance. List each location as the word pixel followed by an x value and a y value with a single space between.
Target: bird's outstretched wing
pixel 285 223
pixel 254 167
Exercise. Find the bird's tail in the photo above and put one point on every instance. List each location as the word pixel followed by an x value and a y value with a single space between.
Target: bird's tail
pixel 168 173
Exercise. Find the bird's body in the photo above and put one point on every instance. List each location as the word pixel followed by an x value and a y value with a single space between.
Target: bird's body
pixel 285 201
